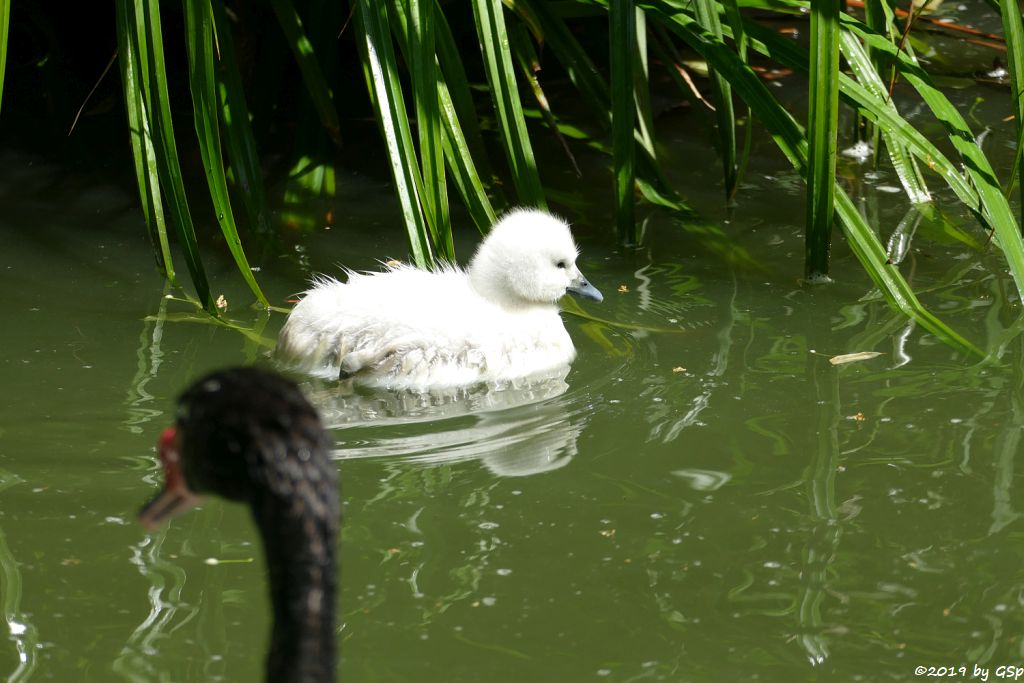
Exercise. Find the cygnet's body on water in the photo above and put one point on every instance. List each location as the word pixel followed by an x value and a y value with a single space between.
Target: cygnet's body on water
pixel 406 328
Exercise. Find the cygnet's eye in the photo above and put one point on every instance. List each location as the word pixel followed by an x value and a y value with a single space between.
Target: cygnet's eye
pixel 560 264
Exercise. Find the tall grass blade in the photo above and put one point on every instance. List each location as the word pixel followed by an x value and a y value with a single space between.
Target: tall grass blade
pixel 739 36
pixel 791 141
pixel 457 83
pixel 644 133
pixel 529 66
pixel 311 173
pixel 878 108
pixel 5 29
pixel 240 141
pixel 871 253
pixel 493 35
pixel 463 163
pixel 199 44
pixel 158 103
pixel 994 209
pixel 559 40
pixel 386 92
pixel 305 57
pixel 823 124
pixel 903 162
pixel 454 138
pixel 622 49
pixel 147 176
pixel 425 79
pixel 582 71
pixel 1013 31
pixel 706 12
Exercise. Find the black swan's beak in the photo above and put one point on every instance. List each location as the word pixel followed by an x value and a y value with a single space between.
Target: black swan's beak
pixel 176 497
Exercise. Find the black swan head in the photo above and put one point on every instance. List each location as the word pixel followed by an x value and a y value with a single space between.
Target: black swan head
pixel 249 435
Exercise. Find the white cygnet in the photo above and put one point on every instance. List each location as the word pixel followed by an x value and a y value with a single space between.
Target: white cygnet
pixel 405 328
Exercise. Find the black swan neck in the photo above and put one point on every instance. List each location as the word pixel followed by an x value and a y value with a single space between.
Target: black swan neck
pixel 299 543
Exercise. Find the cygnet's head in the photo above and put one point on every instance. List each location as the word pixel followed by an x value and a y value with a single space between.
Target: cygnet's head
pixel 529 258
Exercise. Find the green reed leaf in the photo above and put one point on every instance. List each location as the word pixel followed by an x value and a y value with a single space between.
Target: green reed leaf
pixel 791 141
pixel 582 71
pixel 706 12
pixel 622 51
pixel 239 139
pixel 147 177
pixel 902 160
pixel 5 29
pixel 494 41
pixel 823 123
pixel 386 91
pixel 425 79
pixel 993 207
pixel 199 44
pixel 1013 31
pixel 309 67
pixel 158 104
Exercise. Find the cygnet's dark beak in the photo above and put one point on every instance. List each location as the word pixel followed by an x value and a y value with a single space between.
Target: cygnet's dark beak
pixel 583 289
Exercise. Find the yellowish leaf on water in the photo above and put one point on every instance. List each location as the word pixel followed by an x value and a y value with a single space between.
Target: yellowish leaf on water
pixel 853 357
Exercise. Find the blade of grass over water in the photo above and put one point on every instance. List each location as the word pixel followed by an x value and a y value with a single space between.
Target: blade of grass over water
pixel 871 253
pixel 462 164
pixel 878 15
pixel 591 84
pixel 645 154
pixel 735 19
pixel 147 176
pixel 903 162
pixel 1013 30
pixel 493 35
pixel 454 143
pixel 581 70
pixel 5 29
pixel 199 45
pixel 823 124
pixel 994 209
pixel 241 144
pixel 305 57
pixel 463 143
pixel 706 12
pixel 791 141
pixel 425 79
pixel 386 91
pixel 529 66
pixel 879 109
pixel 457 83
pixel 644 133
pixel 154 81
pixel 622 51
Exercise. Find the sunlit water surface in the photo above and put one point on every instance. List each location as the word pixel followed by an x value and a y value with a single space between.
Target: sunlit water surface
pixel 704 498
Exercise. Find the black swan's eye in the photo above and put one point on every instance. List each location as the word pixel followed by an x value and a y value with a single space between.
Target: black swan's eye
pixel 560 264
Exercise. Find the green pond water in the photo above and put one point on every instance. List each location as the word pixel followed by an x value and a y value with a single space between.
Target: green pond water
pixel 708 499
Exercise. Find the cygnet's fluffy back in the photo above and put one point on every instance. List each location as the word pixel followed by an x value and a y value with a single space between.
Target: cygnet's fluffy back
pixel 407 328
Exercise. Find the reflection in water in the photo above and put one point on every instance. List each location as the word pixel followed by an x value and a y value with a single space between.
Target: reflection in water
pixel 149 356
pixel 167 612
pixel 822 543
pixel 514 431
pixel 20 628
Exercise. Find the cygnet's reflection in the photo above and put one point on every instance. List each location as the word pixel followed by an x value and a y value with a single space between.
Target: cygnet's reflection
pixel 513 431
